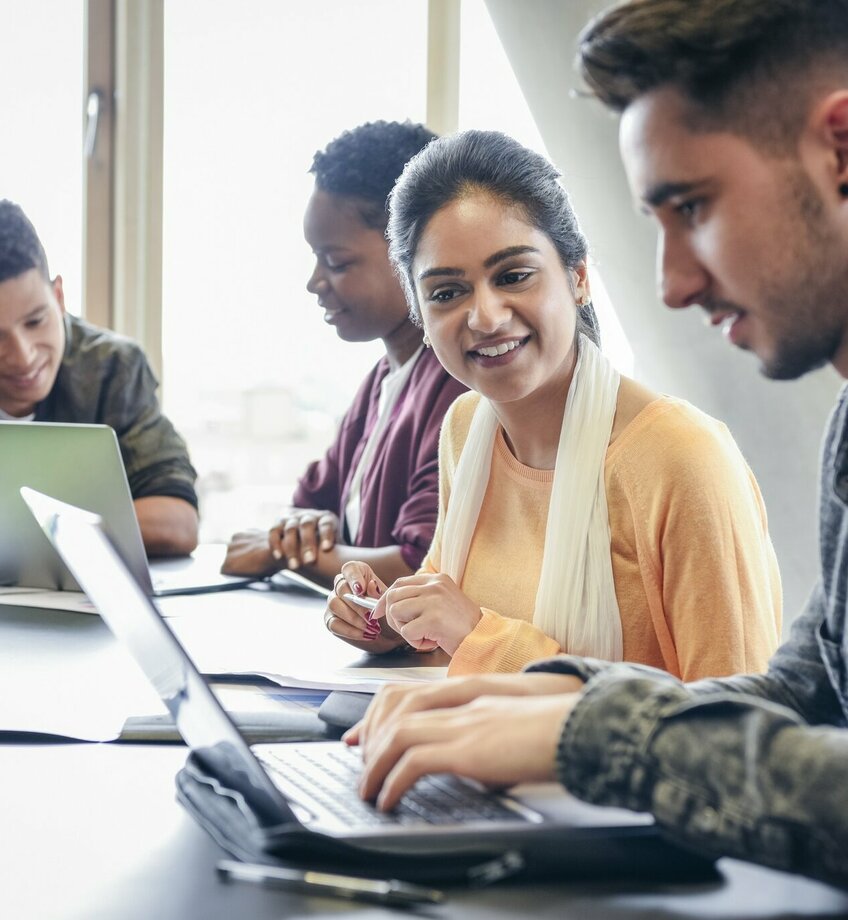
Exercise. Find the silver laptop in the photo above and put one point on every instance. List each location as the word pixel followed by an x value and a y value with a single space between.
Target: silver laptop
pixel 80 464
pixel 312 785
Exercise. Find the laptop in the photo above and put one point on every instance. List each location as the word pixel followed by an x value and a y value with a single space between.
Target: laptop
pixel 80 464
pixel 290 788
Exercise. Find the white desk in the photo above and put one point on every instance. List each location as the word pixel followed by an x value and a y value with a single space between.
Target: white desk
pixel 54 663
pixel 92 831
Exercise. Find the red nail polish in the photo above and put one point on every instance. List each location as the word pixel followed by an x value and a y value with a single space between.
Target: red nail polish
pixel 357 588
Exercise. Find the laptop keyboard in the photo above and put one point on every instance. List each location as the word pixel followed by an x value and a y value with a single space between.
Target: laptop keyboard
pixel 329 775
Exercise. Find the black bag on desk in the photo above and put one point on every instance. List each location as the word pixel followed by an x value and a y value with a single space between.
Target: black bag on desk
pixel 248 826
pixel 226 817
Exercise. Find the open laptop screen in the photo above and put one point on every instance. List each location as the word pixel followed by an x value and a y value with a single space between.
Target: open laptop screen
pixel 81 464
pixel 134 619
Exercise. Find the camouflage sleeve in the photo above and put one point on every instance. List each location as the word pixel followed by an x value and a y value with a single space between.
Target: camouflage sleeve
pixel 727 774
pixel 752 767
pixel 155 456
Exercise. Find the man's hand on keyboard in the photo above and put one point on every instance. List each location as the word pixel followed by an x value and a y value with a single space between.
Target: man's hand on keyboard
pixel 396 701
pixel 497 740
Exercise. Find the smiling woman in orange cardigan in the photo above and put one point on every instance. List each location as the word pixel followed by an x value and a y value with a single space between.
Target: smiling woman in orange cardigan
pixel 579 511
pixel 695 574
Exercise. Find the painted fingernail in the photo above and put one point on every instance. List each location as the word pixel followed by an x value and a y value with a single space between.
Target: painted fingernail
pixel 308 556
pixel 326 544
pixel 276 554
pixel 357 588
pixel 294 563
pixel 379 589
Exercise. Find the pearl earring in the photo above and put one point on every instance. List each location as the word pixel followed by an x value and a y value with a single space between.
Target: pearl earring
pixel 426 342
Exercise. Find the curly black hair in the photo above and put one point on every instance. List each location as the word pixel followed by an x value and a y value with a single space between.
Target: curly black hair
pixel 364 162
pixel 20 247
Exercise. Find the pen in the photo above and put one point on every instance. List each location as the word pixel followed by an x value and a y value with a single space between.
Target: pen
pixel 298 579
pixel 368 602
pixel 380 891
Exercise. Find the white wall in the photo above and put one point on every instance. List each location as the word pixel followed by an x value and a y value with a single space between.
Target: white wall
pixel 777 425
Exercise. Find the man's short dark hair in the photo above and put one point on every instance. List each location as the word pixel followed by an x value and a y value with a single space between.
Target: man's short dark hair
pixel 20 247
pixel 364 163
pixel 747 66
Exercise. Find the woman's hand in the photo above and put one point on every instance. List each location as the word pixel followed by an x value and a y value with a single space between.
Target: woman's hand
pixel 300 534
pixel 248 553
pixel 429 611
pixel 352 622
pixel 395 702
pixel 498 741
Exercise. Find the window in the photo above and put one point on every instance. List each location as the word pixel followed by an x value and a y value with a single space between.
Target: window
pixel 254 380
pixel 41 70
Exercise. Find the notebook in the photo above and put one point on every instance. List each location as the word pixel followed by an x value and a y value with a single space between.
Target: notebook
pixel 80 464
pixel 289 787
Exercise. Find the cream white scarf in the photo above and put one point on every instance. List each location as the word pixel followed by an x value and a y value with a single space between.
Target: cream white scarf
pixel 575 600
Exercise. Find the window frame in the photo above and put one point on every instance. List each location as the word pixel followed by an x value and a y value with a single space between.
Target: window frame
pixel 123 171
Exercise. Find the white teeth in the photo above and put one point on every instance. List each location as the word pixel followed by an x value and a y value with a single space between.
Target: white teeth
pixel 728 323
pixel 495 350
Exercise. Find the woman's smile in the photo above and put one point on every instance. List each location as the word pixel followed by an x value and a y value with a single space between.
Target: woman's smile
pixel 498 352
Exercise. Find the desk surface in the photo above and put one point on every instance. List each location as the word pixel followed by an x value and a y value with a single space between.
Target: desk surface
pixel 93 831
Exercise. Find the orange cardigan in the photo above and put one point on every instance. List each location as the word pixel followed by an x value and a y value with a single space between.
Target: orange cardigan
pixel 695 572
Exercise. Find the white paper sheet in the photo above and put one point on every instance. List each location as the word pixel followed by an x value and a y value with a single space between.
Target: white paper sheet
pixel 360 680
pixel 72 601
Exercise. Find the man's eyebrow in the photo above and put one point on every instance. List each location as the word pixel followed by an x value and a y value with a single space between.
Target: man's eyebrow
pixel 659 194
pixel 491 261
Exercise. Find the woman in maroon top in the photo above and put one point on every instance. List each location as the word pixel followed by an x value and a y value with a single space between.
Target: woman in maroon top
pixel 374 495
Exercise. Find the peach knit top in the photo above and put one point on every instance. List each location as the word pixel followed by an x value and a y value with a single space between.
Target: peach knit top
pixel 695 572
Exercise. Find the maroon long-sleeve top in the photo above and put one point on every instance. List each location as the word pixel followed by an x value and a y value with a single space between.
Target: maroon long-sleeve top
pixel 400 490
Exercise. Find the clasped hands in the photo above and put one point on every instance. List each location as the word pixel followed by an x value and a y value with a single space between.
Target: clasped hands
pixel 296 540
pixel 426 611
pixel 498 729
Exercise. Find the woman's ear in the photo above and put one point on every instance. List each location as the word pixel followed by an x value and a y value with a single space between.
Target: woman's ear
pixel 580 284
